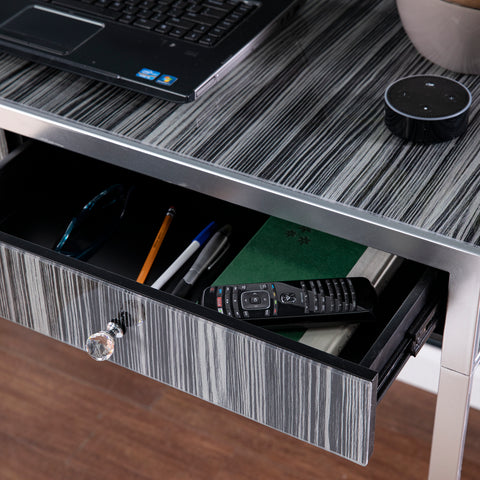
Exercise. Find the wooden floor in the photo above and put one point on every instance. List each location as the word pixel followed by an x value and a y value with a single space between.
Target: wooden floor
pixel 64 416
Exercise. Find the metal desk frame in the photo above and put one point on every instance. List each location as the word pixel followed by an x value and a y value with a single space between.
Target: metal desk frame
pixel 462 262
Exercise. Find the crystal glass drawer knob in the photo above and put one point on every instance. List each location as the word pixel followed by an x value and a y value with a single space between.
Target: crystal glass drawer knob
pixel 100 345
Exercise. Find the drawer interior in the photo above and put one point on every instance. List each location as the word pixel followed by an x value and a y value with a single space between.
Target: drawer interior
pixel 43 187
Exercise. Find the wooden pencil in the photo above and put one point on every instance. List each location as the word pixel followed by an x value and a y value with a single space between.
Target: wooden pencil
pixel 156 245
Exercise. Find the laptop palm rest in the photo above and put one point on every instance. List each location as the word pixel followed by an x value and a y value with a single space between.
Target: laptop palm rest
pixel 49 30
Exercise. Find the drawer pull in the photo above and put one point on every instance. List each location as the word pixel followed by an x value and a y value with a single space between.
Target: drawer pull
pixel 100 345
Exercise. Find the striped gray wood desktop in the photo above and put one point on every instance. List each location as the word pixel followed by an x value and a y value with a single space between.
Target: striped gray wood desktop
pixel 304 112
pixel 289 392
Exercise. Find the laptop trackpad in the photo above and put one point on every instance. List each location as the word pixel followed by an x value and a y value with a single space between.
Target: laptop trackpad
pixel 49 30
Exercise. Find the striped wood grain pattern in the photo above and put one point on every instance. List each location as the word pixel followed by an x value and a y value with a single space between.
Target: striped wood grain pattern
pixel 304 398
pixel 304 112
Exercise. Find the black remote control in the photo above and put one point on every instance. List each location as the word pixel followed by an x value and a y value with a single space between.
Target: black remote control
pixel 296 304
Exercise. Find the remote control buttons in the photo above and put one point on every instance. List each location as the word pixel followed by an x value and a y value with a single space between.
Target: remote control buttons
pixel 255 300
pixel 236 301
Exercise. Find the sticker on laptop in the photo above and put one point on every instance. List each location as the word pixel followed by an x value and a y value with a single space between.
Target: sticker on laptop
pixel 166 80
pixel 148 74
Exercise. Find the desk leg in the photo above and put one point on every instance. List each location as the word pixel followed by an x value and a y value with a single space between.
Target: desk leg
pixel 456 378
pixel 453 403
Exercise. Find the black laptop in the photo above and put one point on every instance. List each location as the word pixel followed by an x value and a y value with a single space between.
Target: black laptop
pixel 173 49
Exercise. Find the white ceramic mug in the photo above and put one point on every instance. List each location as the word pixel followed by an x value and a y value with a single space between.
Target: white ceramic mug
pixel 445 32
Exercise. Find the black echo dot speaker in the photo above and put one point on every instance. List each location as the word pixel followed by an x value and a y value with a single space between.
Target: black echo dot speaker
pixel 427 108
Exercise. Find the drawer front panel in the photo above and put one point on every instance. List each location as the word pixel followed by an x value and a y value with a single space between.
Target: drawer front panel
pixel 276 387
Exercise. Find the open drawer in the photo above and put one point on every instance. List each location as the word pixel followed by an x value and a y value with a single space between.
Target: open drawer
pixel 324 399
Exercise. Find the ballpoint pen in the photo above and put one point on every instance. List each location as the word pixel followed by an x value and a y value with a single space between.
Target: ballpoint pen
pixel 207 256
pixel 156 245
pixel 196 243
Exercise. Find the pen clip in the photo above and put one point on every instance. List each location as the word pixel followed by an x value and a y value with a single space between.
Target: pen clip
pixel 218 257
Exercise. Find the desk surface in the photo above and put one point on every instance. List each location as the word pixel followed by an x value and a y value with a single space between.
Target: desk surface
pixel 303 114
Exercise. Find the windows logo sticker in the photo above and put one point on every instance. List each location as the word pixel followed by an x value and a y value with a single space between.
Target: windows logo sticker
pixel 166 80
pixel 148 74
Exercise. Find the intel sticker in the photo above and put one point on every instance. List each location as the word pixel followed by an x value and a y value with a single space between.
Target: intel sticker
pixel 148 74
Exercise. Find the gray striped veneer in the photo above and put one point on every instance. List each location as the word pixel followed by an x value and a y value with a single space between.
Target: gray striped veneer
pixel 305 112
pixel 304 398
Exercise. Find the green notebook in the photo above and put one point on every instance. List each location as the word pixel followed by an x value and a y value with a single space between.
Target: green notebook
pixel 282 250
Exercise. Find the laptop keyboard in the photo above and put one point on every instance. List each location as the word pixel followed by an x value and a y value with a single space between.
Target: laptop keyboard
pixel 204 22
